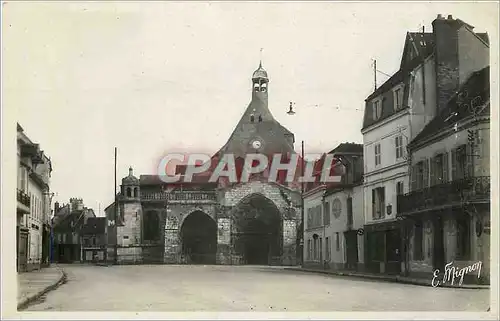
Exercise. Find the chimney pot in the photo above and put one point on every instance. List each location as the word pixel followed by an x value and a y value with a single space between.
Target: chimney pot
pixel 440 16
pixel 450 17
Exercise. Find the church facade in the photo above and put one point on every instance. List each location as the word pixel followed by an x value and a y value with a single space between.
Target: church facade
pixel 203 222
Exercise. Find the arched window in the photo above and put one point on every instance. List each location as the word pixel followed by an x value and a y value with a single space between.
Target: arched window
pixel 256 87
pixel 136 192
pixel 260 118
pixel 252 118
pixel 263 88
pixel 129 192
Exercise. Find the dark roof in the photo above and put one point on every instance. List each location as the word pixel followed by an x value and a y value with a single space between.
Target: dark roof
pixel 401 76
pixel 484 37
pixel 347 148
pixel 130 179
pixel 419 42
pixel 260 73
pixel 474 92
pixel 95 225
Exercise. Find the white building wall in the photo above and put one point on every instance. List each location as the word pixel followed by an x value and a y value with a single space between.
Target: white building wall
pixel 310 202
pixel 359 218
pixel 338 225
pixel 391 170
pixel 34 222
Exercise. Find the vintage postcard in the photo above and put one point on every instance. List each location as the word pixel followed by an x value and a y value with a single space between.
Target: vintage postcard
pixel 250 160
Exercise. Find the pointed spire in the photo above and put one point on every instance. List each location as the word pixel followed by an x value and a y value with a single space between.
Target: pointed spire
pixel 260 72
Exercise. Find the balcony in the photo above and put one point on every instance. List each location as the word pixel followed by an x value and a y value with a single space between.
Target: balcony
pixel 455 193
pixel 23 202
pixel 180 197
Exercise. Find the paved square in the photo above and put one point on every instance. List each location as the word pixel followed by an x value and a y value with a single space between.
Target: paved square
pixel 184 288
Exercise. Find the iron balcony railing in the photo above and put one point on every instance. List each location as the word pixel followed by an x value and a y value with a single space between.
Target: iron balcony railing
pixel 179 196
pixel 472 189
pixel 23 198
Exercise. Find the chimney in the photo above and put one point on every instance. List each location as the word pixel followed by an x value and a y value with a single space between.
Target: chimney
pixel 445 32
pixel 56 208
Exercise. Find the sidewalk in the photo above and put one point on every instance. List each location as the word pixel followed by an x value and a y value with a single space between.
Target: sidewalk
pixel 387 278
pixel 32 285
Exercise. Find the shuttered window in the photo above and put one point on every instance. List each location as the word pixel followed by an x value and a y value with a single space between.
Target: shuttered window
pixel 459 163
pixel 413 176
pixel 349 211
pixel 326 213
pixel 425 180
pixel 439 169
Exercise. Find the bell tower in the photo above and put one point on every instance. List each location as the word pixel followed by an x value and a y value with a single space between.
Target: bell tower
pixel 258 131
pixel 260 82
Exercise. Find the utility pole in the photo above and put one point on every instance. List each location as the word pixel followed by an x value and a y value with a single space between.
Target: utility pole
pixel 116 215
pixel 302 204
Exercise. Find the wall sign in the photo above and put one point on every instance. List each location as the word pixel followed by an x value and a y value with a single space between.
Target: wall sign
pixel 360 231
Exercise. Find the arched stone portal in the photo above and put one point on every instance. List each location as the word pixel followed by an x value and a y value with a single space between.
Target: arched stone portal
pixel 199 238
pixel 258 230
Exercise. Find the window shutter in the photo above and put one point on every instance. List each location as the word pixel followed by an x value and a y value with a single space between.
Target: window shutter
pixel 413 175
pixel 453 164
pixel 432 170
pixel 445 167
pixel 373 204
pixel 396 145
pixel 426 174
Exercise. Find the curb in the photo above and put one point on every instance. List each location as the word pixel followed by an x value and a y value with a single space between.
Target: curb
pixel 30 299
pixel 396 279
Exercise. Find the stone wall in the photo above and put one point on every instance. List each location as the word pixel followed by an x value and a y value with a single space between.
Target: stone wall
pixel 176 214
pixel 130 232
pixel 288 204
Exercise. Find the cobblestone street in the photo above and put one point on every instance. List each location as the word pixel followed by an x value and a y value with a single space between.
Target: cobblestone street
pixel 243 288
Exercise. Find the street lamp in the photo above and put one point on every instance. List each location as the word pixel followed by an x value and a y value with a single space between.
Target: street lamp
pixel 301 243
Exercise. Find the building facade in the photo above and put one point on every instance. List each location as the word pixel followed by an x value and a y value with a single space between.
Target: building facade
pixel 222 222
pixel 68 223
pixel 33 204
pixel 433 65
pixel 94 246
pixel 447 211
pixel 334 214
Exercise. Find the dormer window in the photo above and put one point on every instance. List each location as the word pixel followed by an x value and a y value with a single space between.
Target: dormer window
pixel 398 97
pixel 377 109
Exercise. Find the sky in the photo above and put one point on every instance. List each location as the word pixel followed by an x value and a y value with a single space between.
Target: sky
pixel 156 77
